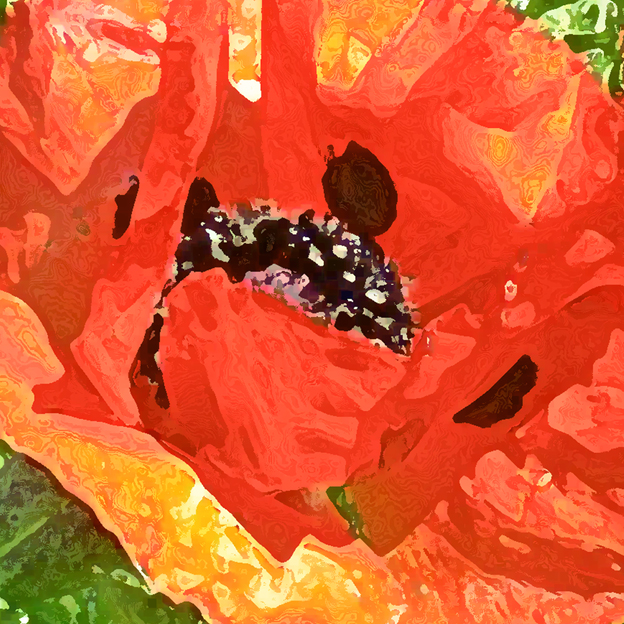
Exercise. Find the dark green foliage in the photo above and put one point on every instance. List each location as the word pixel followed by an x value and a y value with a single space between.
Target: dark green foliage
pixel 341 499
pixel 59 566
pixel 587 26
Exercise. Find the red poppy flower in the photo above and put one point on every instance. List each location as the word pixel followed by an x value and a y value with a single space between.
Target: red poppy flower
pixel 484 467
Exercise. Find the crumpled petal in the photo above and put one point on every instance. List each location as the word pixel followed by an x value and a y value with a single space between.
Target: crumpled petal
pixel 173 529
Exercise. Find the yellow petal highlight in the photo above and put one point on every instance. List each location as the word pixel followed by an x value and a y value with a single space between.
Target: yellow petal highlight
pixel 523 164
pixel 245 54
pixel 349 34
pixel 171 526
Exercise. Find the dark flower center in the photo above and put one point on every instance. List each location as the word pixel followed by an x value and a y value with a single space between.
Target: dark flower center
pixel 327 272
pixel 331 269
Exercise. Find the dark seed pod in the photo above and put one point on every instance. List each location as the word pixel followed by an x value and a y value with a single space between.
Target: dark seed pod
pixel 200 199
pixel 125 206
pixel 360 192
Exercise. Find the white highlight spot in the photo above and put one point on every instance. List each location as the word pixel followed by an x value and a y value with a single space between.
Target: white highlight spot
pixel 332 224
pixel 216 238
pixel 315 256
pixel 544 480
pixel 188 509
pixel 511 290
pixel 384 321
pixel 350 585
pixel 92 53
pixel 158 30
pixel 250 89
pixel 340 251
pixel 377 296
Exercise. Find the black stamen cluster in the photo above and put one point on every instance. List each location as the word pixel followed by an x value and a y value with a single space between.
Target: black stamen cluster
pixel 339 277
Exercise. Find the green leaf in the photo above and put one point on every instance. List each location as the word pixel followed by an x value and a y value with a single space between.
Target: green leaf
pixel 3 5
pixel 59 566
pixel 342 500
pixel 590 27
